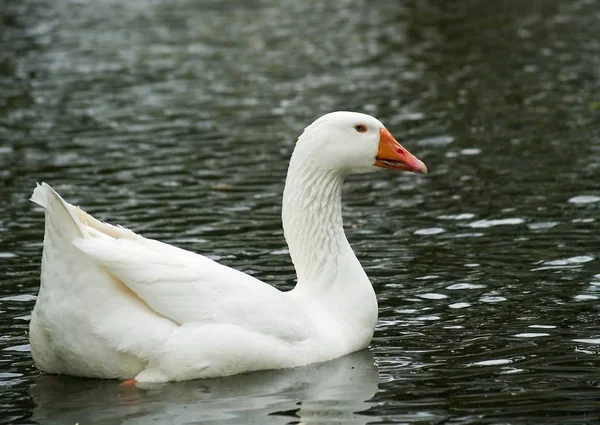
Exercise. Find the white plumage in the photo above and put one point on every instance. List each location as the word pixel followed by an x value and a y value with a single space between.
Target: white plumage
pixel 113 304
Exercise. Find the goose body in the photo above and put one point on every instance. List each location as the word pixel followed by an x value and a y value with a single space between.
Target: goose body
pixel 113 304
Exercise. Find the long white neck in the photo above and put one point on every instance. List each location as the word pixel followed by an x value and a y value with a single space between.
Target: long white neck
pixel 329 274
pixel 312 223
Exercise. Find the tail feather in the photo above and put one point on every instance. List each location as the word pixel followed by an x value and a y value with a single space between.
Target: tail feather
pixel 64 215
pixel 59 213
pixel 39 195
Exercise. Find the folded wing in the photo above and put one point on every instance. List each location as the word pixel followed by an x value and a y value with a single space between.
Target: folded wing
pixel 186 287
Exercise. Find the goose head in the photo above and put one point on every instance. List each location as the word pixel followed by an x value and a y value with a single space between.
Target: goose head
pixel 351 143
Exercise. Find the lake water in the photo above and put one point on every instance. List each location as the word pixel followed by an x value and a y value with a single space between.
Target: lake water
pixel 177 118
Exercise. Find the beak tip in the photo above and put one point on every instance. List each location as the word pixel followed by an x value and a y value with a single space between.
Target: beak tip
pixel 422 168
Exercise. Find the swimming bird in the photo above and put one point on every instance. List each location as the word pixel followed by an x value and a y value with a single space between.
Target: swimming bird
pixel 113 304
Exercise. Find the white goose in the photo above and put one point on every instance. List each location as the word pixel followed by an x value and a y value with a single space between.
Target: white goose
pixel 113 304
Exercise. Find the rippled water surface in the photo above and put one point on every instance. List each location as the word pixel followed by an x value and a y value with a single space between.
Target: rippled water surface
pixel 177 118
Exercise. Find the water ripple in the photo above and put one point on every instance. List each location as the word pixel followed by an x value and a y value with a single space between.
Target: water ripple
pixel 177 120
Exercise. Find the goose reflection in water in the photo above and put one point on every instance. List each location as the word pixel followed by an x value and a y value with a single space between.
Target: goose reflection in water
pixel 337 389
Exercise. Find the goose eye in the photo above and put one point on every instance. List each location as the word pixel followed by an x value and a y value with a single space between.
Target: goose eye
pixel 361 128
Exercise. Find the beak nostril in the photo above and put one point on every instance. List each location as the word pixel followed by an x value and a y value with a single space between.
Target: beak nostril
pixel 400 151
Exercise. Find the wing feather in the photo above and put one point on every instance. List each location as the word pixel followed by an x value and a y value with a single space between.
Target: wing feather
pixel 190 288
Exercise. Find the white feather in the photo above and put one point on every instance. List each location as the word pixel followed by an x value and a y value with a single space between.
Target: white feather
pixel 115 304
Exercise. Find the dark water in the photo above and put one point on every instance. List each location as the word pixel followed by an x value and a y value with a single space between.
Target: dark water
pixel 176 119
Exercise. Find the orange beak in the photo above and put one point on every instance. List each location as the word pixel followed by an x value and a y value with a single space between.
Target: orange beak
pixel 391 154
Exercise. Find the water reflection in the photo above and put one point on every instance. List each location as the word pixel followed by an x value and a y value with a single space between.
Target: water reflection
pixel 336 390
